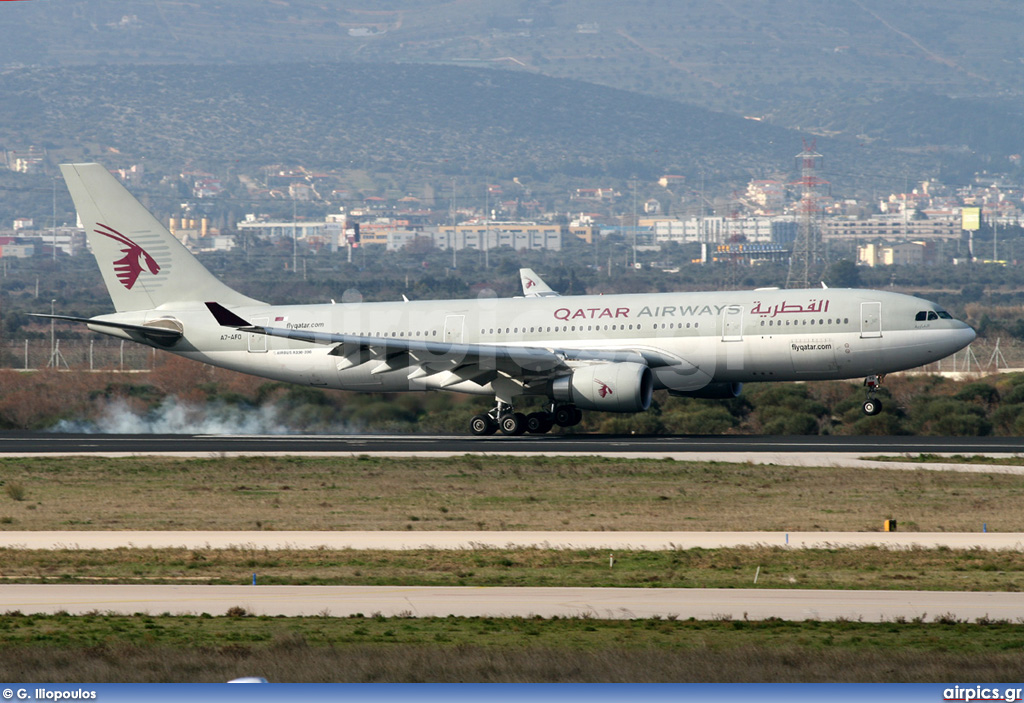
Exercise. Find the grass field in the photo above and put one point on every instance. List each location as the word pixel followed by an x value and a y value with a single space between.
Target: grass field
pixel 492 493
pixel 535 493
pixel 954 459
pixel 777 567
pixel 61 648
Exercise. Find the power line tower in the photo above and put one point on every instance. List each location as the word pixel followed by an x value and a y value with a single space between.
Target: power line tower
pixel 807 263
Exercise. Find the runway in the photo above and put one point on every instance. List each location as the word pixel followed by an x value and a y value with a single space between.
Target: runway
pixel 605 603
pixel 47 443
pixel 468 540
pixel 524 602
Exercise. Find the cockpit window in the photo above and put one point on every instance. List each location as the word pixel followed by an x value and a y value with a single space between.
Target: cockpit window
pixel 925 315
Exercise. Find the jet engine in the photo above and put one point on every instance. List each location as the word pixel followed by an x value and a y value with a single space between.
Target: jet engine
pixel 712 391
pixel 619 388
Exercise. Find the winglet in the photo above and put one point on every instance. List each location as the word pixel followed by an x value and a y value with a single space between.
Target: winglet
pixel 226 318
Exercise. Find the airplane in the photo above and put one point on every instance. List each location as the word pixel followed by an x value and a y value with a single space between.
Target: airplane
pixel 534 286
pixel 571 353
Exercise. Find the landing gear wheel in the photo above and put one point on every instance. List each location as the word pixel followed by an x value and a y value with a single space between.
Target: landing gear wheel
pixel 872 406
pixel 539 422
pixel 512 423
pixel 482 424
pixel 567 415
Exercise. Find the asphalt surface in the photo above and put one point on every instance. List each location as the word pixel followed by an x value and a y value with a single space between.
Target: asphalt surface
pixel 56 443
pixel 427 601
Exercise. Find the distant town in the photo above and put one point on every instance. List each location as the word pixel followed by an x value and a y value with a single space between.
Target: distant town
pixel 929 223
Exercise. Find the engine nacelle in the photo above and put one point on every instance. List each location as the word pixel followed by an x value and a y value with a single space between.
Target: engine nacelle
pixel 712 391
pixel 618 388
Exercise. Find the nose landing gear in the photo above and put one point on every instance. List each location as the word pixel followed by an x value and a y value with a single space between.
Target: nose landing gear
pixel 872 406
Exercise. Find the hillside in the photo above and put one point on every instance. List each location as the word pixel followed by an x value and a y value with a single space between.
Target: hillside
pixel 855 68
pixel 433 120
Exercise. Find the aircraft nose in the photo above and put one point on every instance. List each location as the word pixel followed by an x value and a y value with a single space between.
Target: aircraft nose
pixel 966 335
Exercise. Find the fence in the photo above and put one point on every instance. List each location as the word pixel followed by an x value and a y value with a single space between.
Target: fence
pixel 85 355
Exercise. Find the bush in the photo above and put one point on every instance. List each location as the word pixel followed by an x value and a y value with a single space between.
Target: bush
pixel 699 420
pixel 789 423
pixel 948 416
pixel 15 491
pixel 979 392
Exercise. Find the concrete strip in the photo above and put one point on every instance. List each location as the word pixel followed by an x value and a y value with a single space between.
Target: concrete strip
pixel 405 540
pixel 605 603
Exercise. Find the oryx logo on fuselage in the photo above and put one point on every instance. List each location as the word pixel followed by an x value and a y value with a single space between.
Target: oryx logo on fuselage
pixel 135 257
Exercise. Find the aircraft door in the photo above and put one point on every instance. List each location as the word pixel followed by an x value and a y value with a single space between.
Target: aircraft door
pixel 258 342
pixel 453 325
pixel 732 324
pixel 870 320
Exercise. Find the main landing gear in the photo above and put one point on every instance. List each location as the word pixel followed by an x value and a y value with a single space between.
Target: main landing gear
pixel 872 406
pixel 512 423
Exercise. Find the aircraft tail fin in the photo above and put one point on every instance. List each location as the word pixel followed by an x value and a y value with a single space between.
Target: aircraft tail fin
pixel 143 265
pixel 534 286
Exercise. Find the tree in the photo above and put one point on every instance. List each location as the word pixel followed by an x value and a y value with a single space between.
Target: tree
pixel 843 274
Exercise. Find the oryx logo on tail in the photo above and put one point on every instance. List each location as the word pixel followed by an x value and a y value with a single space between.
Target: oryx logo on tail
pixel 135 257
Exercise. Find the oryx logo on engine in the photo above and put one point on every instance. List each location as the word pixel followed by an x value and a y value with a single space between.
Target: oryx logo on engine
pixel 135 257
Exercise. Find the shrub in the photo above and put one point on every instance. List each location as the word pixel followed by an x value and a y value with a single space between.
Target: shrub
pixel 15 491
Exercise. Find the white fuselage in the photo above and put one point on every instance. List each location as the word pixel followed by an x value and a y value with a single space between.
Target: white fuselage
pixel 696 338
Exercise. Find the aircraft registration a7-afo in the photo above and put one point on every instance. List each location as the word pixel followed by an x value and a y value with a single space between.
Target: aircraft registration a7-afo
pixel 569 354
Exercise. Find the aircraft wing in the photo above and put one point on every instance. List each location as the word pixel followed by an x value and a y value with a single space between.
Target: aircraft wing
pixel 480 363
pixel 534 286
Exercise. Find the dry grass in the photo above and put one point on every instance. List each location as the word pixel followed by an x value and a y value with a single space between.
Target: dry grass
pixel 142 648
pixel 865 568
pixel 500 493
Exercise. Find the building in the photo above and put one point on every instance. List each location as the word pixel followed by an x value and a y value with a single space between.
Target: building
pixel 29 160
pixel 890 228
pixel 278 228
pixel 496 234
pixel 766 196
pixel 720 230
pixel 897 254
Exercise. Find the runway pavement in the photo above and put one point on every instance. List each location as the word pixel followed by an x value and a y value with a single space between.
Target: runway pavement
pixel 856 452
pixel 607 603
pixel 450 540
pixel 50 443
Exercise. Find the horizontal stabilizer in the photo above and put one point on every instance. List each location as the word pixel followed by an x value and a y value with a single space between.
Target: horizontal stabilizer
pixel 163 335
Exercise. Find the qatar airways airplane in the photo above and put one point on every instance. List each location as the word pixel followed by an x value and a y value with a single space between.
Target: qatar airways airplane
pixel 567 354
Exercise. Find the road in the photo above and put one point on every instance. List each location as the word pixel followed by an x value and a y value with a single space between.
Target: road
pixel 455 540
pixel 429 601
